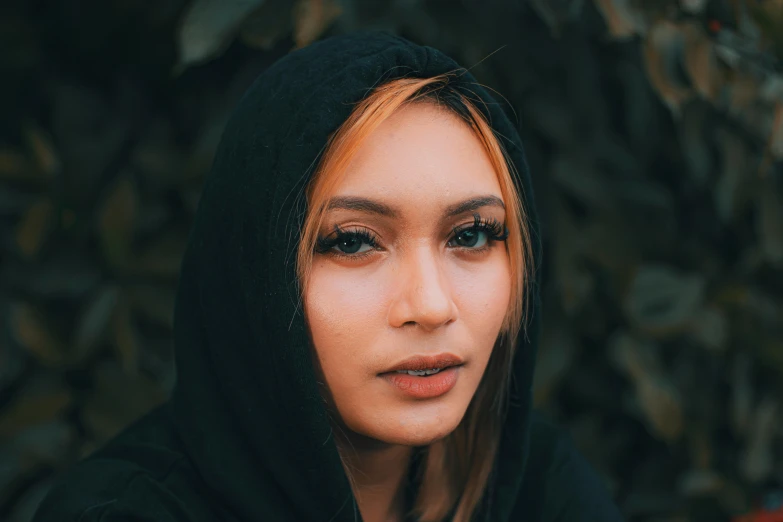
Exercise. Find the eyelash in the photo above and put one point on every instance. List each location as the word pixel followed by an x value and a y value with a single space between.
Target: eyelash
pixel 491 226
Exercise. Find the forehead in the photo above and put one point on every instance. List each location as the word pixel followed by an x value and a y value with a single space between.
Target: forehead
pixel 420 157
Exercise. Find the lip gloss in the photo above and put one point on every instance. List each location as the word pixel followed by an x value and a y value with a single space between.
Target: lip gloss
pixel 425 386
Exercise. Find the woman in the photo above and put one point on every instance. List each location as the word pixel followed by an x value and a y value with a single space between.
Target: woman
pixel 357 315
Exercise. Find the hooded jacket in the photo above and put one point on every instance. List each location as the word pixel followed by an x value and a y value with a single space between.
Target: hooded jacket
pixel 245 436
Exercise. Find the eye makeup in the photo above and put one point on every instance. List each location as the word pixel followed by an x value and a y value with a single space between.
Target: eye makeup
pixel 354 237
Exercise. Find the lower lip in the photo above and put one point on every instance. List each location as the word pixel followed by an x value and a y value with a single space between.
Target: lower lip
pixel 424 387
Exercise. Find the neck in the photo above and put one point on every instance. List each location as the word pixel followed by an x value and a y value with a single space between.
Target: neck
pixel 379 473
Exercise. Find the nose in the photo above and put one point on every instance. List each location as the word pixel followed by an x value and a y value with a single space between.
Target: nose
pixel 424 292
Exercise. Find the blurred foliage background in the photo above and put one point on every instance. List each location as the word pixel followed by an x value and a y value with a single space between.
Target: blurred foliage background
pixel 654 132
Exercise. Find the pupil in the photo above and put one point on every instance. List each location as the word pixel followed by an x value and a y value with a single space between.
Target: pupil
pixel 352 244
pixel 472 237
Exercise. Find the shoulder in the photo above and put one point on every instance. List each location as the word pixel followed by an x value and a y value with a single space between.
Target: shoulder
pixel 559 484
pixel 141 475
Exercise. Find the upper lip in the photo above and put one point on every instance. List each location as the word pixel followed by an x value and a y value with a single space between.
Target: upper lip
pixel 427 362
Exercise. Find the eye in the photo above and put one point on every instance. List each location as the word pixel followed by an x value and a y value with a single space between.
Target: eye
pixel 476 237
pixel 351 244
pixel 470 238
pixel 348 243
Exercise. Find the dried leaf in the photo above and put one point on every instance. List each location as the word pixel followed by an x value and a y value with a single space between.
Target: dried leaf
pixel 622 20
pixel 776 133
pixel 31 331
pixel 116 221
pixel 664 48
pixel 656 395
pixel 312 18
pixel 208 26
pixel 664 300
pixel 34 227
pixel 744 91
pixel 33 409
pixel 13 165
pixel 42 150
pixel 701 62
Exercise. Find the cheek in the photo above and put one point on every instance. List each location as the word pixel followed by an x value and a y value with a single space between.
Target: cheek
pixel 482 293
pixel 343 311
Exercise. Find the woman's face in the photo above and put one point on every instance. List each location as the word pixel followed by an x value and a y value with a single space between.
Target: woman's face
pixel 407 285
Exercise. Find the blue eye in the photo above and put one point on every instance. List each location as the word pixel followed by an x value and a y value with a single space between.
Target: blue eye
pixel 351 243
pixel 470 237
pixel 360 242
pixel 491 229
pixel 347 243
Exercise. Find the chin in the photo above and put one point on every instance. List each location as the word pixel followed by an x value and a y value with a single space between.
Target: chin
pixel 412 426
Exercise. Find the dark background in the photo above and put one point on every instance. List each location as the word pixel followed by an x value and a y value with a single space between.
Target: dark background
pixel 654 132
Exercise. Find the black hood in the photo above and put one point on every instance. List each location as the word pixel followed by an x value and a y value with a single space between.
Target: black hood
pixel 246 403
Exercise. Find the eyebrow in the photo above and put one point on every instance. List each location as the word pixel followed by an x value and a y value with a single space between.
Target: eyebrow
pixel 371 206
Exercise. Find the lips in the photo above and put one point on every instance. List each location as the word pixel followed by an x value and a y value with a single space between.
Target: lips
pixel 427 362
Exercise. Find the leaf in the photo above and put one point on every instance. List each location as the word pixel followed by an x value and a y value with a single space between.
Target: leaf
pixel 709 327
pixel 42 150
pixel 126 342
pixel 208 26
pixel 267 25
pixel 34 409
pixel 701 482
pixel 734 165
pixel 770 222
pixel 312 18
pixel 116 220
pixel 701 62
pixel 118 400
pixel 663 52
pixel 742 394
pixel 622 20
pixel 34 227
pixel 163 257
pixel 744 91
pixel 663 300
pixel 575 283
pixel 14 166
pixel 656 395
pixel 30 329
pixel 155 302
pixel 580 178
pixel 94 322
pixel 694 6
pixel 693 134
pixel 758 459
pixel 558 349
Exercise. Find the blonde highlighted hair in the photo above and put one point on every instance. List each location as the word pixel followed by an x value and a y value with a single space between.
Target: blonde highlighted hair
pixel 456 469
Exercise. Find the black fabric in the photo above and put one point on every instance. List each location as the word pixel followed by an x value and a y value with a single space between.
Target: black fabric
pixel 245 436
